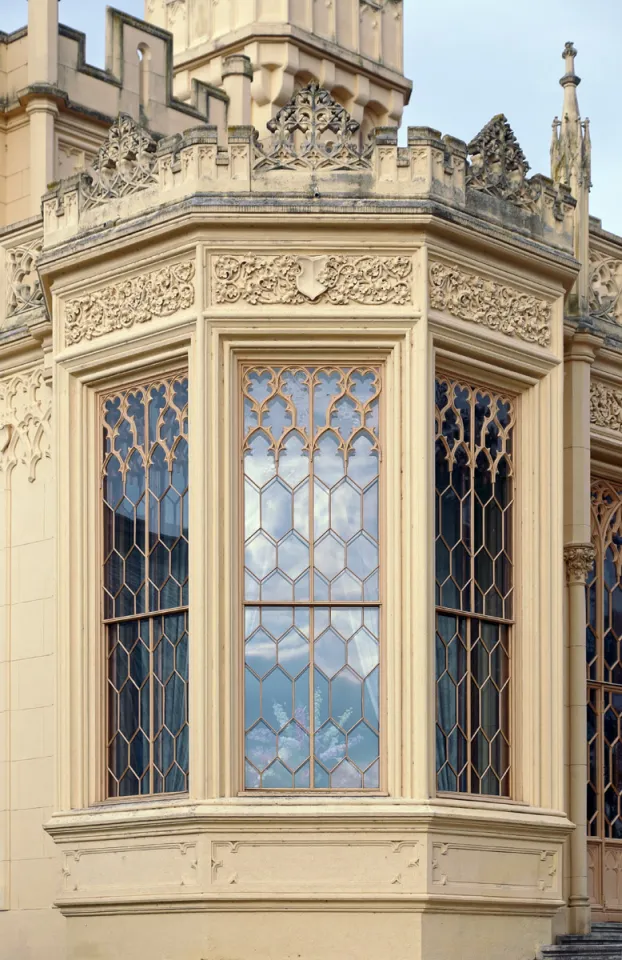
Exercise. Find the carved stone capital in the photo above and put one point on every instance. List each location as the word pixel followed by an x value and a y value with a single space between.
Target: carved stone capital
pixel 494 305
pixel 137 300
pixel 334 280
pixel 579 559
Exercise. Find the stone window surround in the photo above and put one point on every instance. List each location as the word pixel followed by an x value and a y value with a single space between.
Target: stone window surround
pixel 400 340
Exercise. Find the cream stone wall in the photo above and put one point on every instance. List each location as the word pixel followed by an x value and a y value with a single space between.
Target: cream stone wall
pixel 162 249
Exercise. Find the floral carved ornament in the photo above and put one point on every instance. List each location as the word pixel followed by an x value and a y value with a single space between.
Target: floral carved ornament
pixel 492 304
pixel 337 280
pixel 136 300
pixel 606 406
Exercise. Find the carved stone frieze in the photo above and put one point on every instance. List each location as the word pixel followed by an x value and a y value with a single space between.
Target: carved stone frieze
pixel 125 164
pixel 289 279
pixel 606 406
pixel 605 287
pixel 23 287
pixel 136 300
pixel 579 559
pixel 492 304
pixel 311 132
pixel 499 166
pixel 25 416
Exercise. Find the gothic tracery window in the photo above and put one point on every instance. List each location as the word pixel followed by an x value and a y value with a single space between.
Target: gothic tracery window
pixel 145 586
pixel 474 587
pixel 311 462
pixel 604 665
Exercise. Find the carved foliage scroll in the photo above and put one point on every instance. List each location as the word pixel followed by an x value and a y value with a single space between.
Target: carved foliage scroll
pixel 137 300
pixel 335 280
pixel 312 132
pixel 606 406
pixel 492 304
pixel 125 164
pixel 23 287
pixel 25 415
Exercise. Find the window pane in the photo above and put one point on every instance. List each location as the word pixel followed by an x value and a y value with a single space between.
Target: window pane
pixel 311 529
pixel 145 513
pixel 474 577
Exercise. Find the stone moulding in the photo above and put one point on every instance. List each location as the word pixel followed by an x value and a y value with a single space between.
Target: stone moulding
pixel 336 280
pixel 606 406
pixel 25 420
pixel 136 300
pixel 492 304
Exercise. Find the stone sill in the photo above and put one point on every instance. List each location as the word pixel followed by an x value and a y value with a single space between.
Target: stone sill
pixel 307 814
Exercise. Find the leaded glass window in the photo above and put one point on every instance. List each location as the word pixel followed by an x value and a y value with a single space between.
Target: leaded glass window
pixel 474 587
pixel 145 586
pixel 603 645
pixel 311 464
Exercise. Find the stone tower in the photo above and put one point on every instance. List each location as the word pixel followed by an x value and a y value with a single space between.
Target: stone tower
pixel 354 48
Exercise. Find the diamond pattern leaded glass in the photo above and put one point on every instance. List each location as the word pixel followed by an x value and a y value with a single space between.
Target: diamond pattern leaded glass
pixel 603 648
pixel 145 507
pixel 474 587
pixel 311 577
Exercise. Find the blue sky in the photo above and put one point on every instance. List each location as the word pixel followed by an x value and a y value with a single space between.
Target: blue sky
pixel 471 60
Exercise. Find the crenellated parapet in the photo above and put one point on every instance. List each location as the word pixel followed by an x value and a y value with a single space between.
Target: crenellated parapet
pixel 313 152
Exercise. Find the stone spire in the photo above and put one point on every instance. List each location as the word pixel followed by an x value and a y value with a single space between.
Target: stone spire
pixel 571 162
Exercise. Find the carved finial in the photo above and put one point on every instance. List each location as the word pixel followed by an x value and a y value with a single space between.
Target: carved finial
pixel 125 163
pixel 568 55
pixel 499 166
pixel 312 132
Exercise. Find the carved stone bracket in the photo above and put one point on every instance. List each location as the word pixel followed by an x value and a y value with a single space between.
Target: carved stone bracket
pixel 492 304
pixel 137 300
pixel 23 287
pixel 312 132
pixel 606 406
pixel 337 280
pixel 124 164
pixel 579 559
pixel 499 166
pixel 25 416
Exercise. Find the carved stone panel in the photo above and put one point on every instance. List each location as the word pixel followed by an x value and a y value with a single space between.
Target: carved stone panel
pixel 137 300
pixel 499 166
pixel 606 406
pixel 605 287
pixel 495 870
pixel 494 305
pixel 290 279
pixel 317 865
pixel 23 287
pixel 25 420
